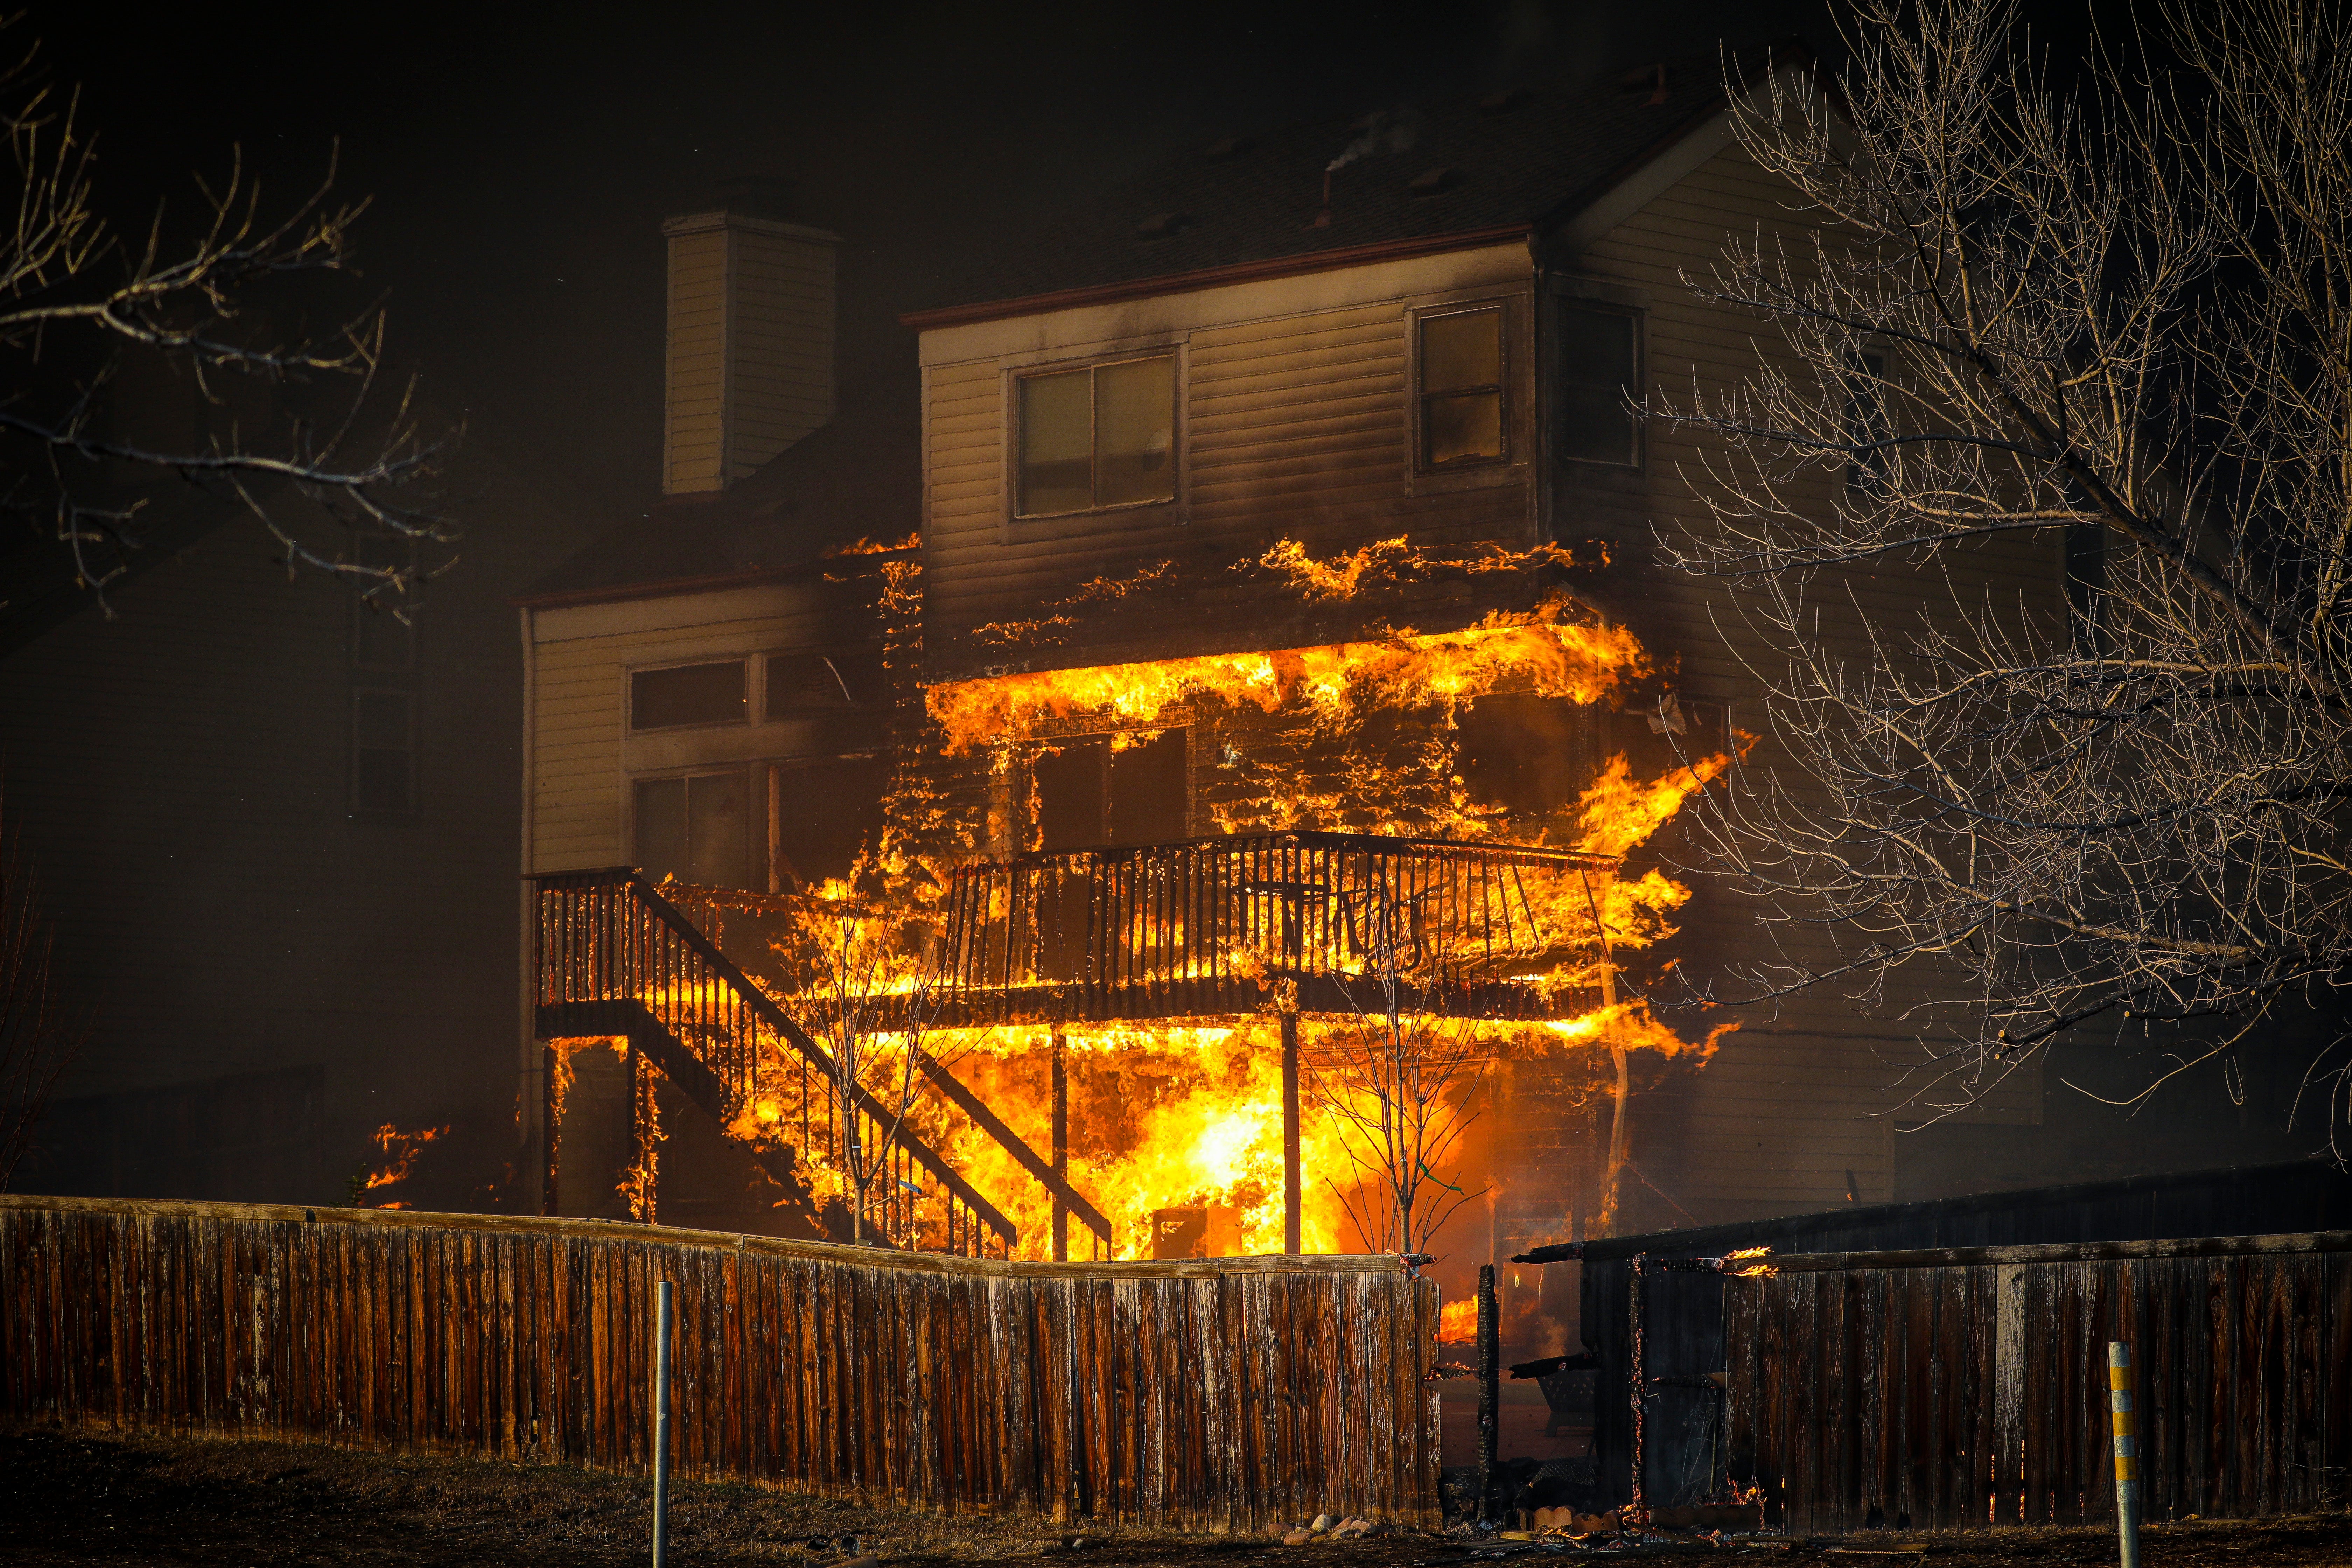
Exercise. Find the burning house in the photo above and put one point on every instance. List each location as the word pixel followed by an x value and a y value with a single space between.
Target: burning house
pixel 1192 772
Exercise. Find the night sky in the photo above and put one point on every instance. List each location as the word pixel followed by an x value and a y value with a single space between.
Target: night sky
pixel 519 161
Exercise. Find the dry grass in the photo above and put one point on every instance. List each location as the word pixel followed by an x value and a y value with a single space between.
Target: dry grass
pixel 77 1495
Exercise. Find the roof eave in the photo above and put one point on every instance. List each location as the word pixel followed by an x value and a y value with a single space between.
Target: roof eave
pixel 678 587
pixel 1215 277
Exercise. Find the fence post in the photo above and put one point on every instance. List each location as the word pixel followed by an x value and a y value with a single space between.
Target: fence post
pixel 1489 1387
pixel 2119 1399
pixel 661 1423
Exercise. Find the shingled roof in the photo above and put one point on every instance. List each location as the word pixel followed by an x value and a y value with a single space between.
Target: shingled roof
pixel 1511 160
pixel 855 478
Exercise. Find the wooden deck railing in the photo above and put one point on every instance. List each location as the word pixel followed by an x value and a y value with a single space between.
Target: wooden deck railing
pixel 1219 1395
pixel 1212 925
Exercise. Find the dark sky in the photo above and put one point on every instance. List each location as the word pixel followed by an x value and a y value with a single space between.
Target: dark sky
pixel 520 160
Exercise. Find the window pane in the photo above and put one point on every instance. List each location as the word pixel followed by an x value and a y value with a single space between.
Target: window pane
pixel 1068 779
pixel 1057 440
pixel 1147 788
pixel 694 694
pixel 1135 431
pixel 383 752
pixel 1596 347
pixel 717 830
pixel 661 828
pixel 824 812
pixel 1463 427
pixel 1594 426
pixel 1462 350
pixel 382 781
pixel 799 682
pixel 1596 372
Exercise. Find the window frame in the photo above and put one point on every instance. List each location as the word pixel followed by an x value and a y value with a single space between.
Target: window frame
pixel 1520 433
pixel 772 715
pixel 1638 315
pixel 1017 526
pixel 1421 392
pixel 361 690
pixel 631 729
pixel 754 776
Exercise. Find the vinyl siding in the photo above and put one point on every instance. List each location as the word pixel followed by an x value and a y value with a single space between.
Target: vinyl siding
pixel 1807 1090
pixel 780 365
pixel 583 757
pixel 1295 423
pixel 693 439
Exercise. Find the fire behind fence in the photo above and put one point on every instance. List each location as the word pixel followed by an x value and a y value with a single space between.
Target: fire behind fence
pixel 1220 1395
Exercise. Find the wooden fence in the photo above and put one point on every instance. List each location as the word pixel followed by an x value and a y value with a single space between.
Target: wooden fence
pixel 1968 1387
pixel 1215 1394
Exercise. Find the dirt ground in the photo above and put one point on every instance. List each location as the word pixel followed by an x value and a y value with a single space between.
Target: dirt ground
pixel 72 1496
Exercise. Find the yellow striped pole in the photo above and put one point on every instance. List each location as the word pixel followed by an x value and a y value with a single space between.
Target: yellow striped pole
pixel 2119 1396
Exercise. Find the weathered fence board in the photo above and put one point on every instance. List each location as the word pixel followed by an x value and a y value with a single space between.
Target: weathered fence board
pixel 1968 1387
pixel 1220 1393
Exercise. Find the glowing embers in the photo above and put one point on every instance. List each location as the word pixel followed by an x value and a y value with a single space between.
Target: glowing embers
pixel 400 1151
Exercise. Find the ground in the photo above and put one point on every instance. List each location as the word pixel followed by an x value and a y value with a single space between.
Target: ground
pixel 75 1496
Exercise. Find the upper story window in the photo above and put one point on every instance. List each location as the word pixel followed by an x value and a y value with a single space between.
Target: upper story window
pixel 1461 372
pixel 1599 369
pixel 816 680
pixel 688 694
pixel 1103 436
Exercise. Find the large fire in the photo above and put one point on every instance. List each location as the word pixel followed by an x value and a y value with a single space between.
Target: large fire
pixel 1358 736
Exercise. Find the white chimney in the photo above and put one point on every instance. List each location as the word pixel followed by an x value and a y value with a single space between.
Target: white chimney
pixel 749 361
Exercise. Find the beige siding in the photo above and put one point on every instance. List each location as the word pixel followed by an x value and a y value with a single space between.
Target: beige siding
pixel 1811 1089
pixel 781 341
pixel 581 757
pixel 694 438
pixel 1295 423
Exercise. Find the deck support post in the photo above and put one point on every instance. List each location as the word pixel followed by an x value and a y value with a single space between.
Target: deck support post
pixel 550 1129
pixel 1061 1142
pixel 1290 1133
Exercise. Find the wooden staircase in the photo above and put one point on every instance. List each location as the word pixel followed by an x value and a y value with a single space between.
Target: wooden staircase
pixel 612 957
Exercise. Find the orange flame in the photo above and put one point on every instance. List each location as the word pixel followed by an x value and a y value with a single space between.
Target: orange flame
pixel 1362 736
pixel 1457 1324
pixel 400 1149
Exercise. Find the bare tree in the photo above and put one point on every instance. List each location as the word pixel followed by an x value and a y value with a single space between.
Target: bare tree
pixel 2112 327
pixel 867 995
pixel 1394 1082
pixel 208 302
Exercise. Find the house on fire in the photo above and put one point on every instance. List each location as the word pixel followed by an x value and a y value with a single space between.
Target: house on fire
pixel 1251 585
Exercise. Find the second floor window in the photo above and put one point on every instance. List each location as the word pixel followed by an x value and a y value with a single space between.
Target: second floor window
pixel 1462 388
pixel 1101 436
pixel 1600 366
pixel 688 694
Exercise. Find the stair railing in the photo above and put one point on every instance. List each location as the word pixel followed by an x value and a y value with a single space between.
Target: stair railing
pixel 613 957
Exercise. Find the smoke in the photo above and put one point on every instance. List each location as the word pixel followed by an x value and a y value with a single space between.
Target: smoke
pixel 1382 131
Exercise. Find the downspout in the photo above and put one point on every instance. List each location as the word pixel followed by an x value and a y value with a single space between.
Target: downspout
pixel 535 1159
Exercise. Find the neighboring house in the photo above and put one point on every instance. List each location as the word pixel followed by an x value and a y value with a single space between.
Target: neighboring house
pixel 273 833
pixel 1312 341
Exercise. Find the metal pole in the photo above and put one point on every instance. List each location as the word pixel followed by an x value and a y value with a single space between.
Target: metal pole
pixel 661 1423
pixel 1490 1391
pixel 1061 1143
pixel 1290 1133
pixel 2119 1397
